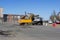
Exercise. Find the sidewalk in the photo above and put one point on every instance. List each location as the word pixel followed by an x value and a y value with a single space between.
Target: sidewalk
pixel 57 25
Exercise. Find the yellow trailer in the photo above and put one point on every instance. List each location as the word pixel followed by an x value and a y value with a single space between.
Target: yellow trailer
pixel 24 21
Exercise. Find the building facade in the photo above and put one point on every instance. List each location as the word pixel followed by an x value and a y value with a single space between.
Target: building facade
pixel 1 12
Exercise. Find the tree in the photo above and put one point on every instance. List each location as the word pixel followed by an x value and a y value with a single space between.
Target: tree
pixel 53 16
pixel 58 16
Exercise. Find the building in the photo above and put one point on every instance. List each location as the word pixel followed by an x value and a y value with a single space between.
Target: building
pixel 1 12
pixel 11 17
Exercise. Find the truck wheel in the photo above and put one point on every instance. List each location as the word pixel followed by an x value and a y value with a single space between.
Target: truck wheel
pixel 22 23
pixel 41 23
pixel 36 23
pixel 32 24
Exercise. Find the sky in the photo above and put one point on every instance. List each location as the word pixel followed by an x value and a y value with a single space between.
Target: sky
pixel 44 8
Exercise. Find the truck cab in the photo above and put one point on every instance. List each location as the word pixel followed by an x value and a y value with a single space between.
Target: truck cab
pixel 37 21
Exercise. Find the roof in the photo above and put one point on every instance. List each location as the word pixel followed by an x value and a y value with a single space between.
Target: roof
pixel 13 14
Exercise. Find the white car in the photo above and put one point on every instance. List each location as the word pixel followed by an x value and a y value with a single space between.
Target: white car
pixel 50 22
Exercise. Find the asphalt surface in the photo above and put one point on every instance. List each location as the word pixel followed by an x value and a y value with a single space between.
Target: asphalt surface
pixel 30 32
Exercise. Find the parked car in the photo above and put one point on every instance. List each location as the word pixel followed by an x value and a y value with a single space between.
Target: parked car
pixel 57 22
pixel 50 22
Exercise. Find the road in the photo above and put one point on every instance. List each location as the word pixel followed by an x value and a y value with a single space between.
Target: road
pixel 30 32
